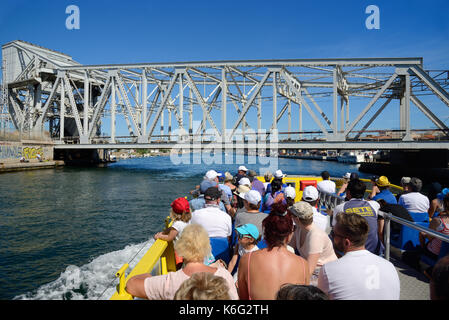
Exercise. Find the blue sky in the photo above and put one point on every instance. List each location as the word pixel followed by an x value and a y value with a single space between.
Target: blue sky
pixel 168 31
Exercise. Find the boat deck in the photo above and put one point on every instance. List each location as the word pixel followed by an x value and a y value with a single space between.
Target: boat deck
pixel 414 284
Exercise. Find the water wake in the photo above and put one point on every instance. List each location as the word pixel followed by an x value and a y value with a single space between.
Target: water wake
pixel 93 281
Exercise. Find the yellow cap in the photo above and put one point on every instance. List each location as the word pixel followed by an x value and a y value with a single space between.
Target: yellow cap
pixel 382 182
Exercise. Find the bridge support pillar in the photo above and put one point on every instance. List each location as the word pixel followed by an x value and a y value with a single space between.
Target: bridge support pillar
pixel 84 139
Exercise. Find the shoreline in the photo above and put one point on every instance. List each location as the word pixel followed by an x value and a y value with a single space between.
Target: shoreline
pixel 22 166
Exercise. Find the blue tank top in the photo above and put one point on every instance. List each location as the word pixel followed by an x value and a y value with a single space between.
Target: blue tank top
pixel 363 208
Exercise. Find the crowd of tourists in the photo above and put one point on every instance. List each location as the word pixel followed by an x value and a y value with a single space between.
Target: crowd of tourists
pixel 244 238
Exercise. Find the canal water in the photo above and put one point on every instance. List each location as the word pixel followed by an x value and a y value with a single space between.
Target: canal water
pixel 65 232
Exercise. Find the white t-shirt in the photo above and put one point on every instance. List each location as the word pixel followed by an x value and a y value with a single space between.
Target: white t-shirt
pixel 360 275
pixel 179 226
pixel 217 223
pixel 414 202
pixel 321 221
pixel 326 186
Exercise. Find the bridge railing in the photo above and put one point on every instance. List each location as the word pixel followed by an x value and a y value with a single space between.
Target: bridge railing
pixel 250 136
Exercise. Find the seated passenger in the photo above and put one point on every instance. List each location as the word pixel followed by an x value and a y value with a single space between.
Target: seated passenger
pixel 439 285
pixel 436 201
pixel 217 223
pixel 278 175
pixel 369 210
pixel 290 195
pixel 251 214
pixel 248 236
pixel 414 201
pixel 237 202
pixel 431 245
pixel 267 176
pixel 193 246
pixel 263 272
pixel 347 177
pixel 326 185
pixel 312 243
pixel 199 202
pixel 241 172
pixel 300 292
pixel 181 215
pixel 256 184
pixel 203 286
pixel 382 185
pixel 359 274
pixel 311 196
pixel 276 195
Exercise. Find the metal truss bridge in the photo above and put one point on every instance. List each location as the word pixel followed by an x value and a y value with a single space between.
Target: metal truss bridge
pixel 48 95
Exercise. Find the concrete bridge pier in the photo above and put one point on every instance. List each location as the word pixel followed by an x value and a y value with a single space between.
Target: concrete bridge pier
pixel 82 157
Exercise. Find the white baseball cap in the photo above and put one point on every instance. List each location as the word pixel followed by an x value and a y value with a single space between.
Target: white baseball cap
pixel 310 193
pixel 279 174
pixel 347 175
pixel 212 174
pixel 245 181
pixel 243 168
pixel 253 197
pixel 290 192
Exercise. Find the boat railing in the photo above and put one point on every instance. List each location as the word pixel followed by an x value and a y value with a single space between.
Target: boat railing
pixel 387 229
pixel 161 252
pixel 329 200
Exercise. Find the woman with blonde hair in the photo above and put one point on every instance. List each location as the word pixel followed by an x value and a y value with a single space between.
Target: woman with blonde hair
pixel 203 286
pixel 193 246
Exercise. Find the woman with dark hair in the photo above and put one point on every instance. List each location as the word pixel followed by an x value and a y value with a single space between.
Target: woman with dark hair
pixel 431 246
pixel 274 196
pixel 298 292
pixel 436 199
pixel 263 272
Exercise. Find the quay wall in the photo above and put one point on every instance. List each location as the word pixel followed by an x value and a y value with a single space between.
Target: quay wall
pixel 12 151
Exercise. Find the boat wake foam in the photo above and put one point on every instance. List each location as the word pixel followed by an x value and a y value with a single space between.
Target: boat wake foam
pixel 93 281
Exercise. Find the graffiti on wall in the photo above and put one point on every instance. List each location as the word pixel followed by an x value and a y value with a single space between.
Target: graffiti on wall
pixel 16 152
pixel 10 152
pixel 31 153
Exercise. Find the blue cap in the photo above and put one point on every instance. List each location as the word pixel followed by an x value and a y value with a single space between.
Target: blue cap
pixel 248 229
pixel 443 193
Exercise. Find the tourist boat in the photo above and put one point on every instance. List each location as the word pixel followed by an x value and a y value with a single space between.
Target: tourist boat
pixel 160 258
pixel 351 157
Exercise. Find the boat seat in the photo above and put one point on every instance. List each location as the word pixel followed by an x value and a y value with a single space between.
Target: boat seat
pixel 444 251
pixel 419 216
pixel 407 239
pixel 306 183
pixel 221 249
